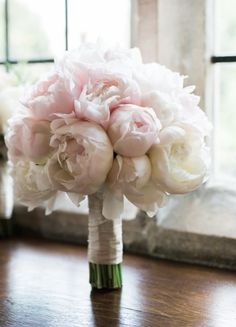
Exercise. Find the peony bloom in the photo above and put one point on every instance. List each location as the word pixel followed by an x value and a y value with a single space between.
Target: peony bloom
pixel 83 156
pixel 180 161
pixel 99 81
pixel 49 97
pixel 28 138
pixel 153 77
pixel 103 93
pixel 129 173
pixel 162 106
pixel 90 55
pixel 149 199
pixel 131 57
pixel 177 107
pixel 32 186
pixel 190 113
pixel 131 177
pixel 133 130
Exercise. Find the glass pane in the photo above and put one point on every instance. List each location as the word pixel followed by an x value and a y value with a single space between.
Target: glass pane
pixel 2 68
pixel 30 73
pixel 2 28
pixel 225 27
pixel 36 28
pixel 225 127
pixel 107 21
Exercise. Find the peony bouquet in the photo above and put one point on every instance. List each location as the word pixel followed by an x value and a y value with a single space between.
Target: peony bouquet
pixel 104 125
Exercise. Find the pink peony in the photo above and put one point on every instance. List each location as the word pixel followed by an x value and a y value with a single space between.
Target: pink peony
pixel 99 82
pixel 83 156
pixel 102 94
pixel 29 138
pixel 49 97
pixel 133 130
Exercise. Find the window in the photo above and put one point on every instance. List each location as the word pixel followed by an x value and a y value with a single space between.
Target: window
pixel 224 62
pixel 32 33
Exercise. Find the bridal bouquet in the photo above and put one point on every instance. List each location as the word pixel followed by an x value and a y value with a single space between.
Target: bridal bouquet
pixel 104 125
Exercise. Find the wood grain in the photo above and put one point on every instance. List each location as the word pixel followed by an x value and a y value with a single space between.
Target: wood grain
pixel 45 284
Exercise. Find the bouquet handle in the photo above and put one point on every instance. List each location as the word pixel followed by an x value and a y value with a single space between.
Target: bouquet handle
pixel 105 246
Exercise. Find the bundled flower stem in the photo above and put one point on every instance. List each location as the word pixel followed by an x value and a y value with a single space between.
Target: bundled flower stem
pixel 105 247
pixel 105 276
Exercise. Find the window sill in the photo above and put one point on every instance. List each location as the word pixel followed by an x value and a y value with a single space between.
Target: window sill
pixel 197 228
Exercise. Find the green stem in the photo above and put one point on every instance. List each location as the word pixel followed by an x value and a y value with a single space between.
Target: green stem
pixel 105 276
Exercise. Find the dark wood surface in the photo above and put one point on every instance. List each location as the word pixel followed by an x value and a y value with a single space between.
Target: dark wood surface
pixel 45 283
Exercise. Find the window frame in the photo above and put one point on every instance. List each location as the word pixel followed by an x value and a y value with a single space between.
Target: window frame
pixel 8 61
pixel 216 59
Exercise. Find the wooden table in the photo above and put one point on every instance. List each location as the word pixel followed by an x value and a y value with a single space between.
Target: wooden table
pixel 45 283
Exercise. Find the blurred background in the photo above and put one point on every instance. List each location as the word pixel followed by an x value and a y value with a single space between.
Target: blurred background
pixel 225 85
pixel 37 31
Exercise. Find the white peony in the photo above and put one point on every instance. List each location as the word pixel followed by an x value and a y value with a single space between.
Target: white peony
pixel 153 76
pixel 177 107
pixel 129 174
pixel 180 161
pixel 32 186
pixel 149 198
pixel 131 177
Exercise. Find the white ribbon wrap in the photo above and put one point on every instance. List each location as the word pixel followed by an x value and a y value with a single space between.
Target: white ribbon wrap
pixel 105 236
